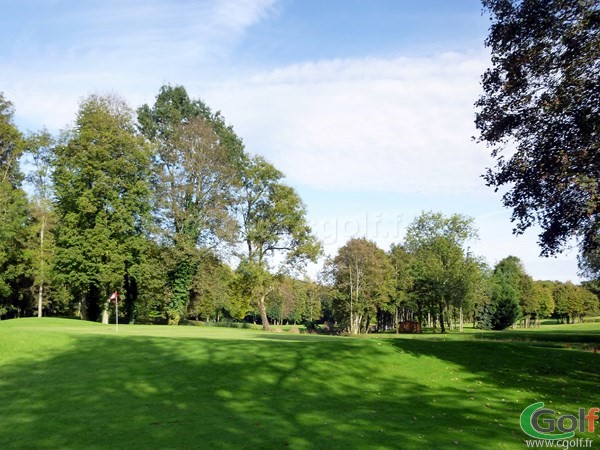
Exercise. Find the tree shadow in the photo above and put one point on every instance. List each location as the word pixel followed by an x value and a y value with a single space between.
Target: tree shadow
pixel 528 371
pixel 277 391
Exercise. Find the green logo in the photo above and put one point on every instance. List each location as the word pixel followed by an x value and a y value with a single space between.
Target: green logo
pixel 535 423
pixel 540 423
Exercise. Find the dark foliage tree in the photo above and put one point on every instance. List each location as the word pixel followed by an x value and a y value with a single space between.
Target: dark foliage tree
pixel 506 291
pixel 540 115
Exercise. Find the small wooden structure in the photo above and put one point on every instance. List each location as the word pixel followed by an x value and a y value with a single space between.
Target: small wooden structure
pixel 409 326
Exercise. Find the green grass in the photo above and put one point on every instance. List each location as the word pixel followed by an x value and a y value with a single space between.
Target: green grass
pixel 77 385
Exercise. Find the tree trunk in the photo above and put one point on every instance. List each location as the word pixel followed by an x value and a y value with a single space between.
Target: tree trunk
pixel 461 319
pixel 442 326
pixel 83 308
pixel 105 311
pixel 41 290
pixel 357 322
pixel 263 313
pixel 40 296
pixel 105 314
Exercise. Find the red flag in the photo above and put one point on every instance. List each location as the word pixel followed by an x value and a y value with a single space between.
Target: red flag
pixel 114 296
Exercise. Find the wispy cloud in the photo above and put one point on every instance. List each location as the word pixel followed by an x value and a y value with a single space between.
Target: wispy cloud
pixel 131 47
pixel 382 137
pixel 400 124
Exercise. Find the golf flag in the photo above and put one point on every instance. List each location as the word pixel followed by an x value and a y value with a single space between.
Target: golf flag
pixel 114 296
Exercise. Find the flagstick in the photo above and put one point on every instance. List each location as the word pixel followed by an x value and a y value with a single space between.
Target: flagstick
pixel 117 312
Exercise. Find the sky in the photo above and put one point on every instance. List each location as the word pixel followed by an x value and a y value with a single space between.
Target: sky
pixel 365 105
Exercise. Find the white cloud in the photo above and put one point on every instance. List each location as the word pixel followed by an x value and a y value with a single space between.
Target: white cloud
pixel 400 124
pixel 497 242
pixel 129 46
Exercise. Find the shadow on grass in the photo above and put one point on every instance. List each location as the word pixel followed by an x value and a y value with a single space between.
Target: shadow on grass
pixel 541 335
pixel 281 392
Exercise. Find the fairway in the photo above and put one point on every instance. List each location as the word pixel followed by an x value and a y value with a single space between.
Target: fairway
pixel 76 385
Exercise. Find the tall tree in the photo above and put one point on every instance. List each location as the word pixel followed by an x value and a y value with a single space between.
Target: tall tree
pixel 14 220
pixel 102 200
pixel 273 224
pixel 364 278
pixel 506 292
pixel 211 289
pixel 440 263
pixel 542 290
pixel 196 169
pixel 590 302
pixel 569 302
pixel 40 149
pixel 401 261
pixel 540 115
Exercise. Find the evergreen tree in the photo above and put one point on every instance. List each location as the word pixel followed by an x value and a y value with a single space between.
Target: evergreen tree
pixel 505 293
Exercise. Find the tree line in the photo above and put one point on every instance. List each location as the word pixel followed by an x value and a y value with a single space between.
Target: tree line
pixel 156 203
pixel 147 203
pixel 434 279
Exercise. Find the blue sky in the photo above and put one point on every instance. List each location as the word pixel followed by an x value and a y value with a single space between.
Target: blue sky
pixel 366 105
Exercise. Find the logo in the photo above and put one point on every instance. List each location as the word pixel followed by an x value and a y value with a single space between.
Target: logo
pixel 542 423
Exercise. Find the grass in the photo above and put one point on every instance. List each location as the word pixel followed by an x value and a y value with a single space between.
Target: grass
pixel 78 385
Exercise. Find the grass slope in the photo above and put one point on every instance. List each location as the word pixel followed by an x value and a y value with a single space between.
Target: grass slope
pixel 78 385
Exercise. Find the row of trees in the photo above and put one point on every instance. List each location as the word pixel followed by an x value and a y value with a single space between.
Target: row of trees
pixel 435 280
pixel 154 203
pixel 148 204
pixel 444 287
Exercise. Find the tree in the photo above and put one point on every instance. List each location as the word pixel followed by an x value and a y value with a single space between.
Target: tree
pixel 401 261
pixel 273 223
pixel 211 289
pixel 506 292
pixel 590 302
pixel 102 201
pixel 14 218
pixel 441 265
pixel 364 278
pixel 540 115
pixel 528 300
pixel 292 300
pixel 472 287
pixel 39 147
pixel 589 263
pixel 569 302
pixel 543 292
pixel 196 169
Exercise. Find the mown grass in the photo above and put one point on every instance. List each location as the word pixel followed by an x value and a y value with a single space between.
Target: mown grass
pixel 77 385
